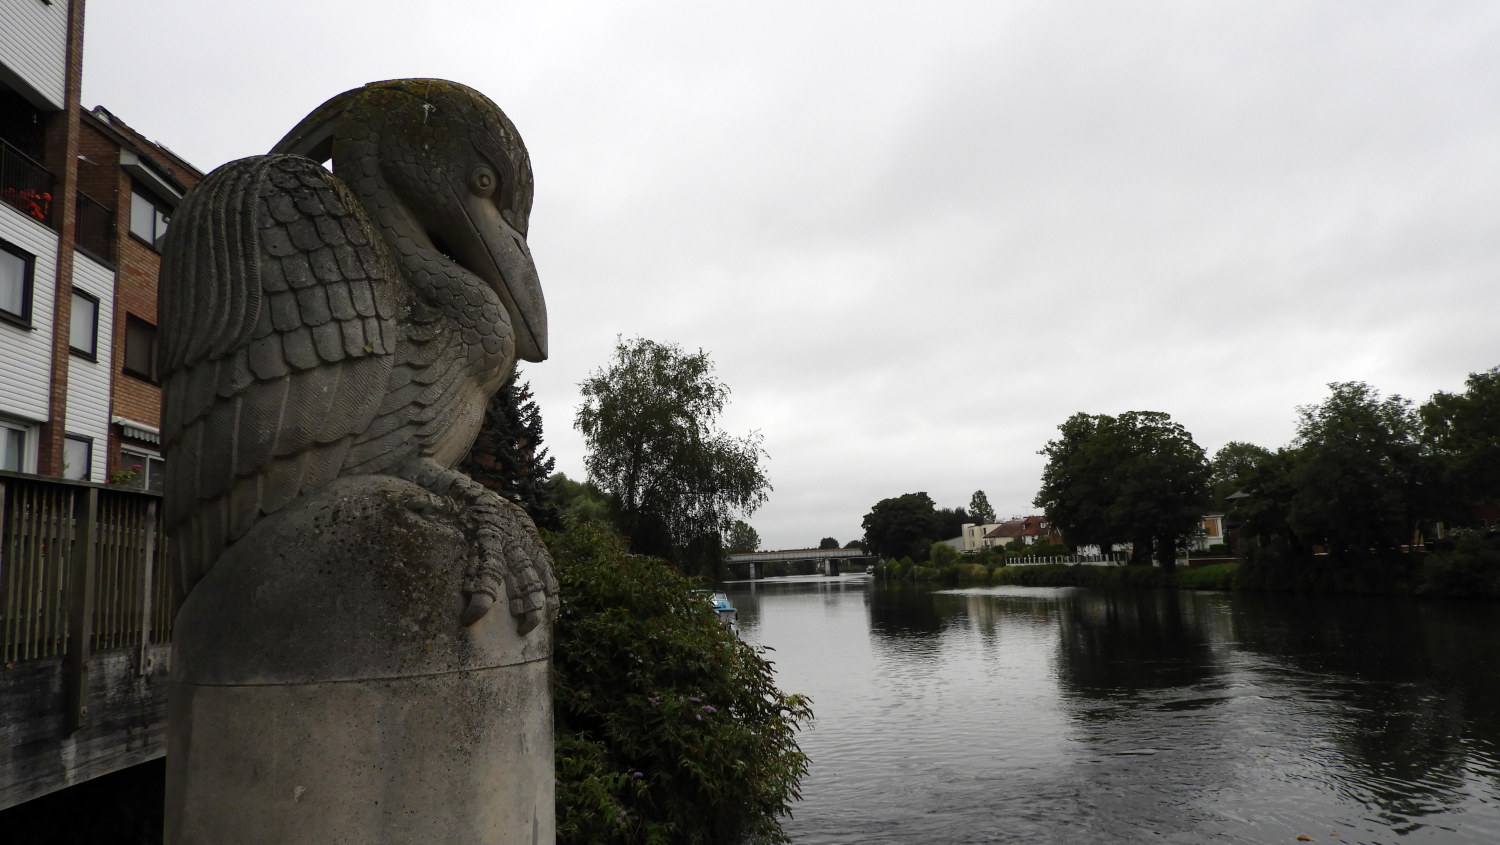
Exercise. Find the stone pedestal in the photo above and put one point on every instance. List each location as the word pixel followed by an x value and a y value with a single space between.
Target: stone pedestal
pixel 323 690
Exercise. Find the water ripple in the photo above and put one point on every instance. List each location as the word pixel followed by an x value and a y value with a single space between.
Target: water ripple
pixel 1047 716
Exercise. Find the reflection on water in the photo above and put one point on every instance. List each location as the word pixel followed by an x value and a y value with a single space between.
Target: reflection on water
pixel 1039 715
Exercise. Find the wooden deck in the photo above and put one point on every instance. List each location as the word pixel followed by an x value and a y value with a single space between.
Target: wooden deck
pixel 85 633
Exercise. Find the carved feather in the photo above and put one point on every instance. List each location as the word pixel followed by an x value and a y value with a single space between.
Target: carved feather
pixel 274 346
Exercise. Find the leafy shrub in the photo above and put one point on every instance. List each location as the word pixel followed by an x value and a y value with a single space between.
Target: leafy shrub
pixel 973 573
pixel 669 728
pixel 922 572
pixel 1070 575
pixel 941 554
pixel 1273 570
pixel 896 570
pixel 1469 568
pixel 1219 576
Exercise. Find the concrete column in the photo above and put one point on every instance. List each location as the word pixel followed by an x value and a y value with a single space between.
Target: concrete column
pixel 323 690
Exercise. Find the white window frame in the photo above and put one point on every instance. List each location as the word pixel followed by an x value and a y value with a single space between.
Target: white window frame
pixel 153 468
pixel 17 435
pixel 71 472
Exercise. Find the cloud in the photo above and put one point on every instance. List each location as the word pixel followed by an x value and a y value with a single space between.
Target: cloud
pixel 914 240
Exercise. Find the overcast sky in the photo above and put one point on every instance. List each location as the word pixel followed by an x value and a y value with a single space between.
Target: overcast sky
pixel 914 238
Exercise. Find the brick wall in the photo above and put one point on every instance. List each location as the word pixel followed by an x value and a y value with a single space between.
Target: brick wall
pixel 136 263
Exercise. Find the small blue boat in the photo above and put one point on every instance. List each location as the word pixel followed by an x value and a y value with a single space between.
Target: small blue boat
pixel 722 605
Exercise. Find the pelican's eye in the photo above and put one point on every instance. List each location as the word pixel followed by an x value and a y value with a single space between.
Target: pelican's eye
pixel 482 181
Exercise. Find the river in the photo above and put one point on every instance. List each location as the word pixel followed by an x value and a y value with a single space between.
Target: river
pixel 1035 715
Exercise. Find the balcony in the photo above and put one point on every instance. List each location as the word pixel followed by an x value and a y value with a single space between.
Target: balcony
pixel 25 184
pixel 95 230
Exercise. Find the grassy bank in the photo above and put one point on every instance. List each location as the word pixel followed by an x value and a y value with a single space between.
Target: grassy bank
pixel 1468 567
pixel 1219 576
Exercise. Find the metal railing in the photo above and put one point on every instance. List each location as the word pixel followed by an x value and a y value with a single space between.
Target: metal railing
pixel 25 183
pixel 95 229
pixel 1111 559
pixel 81 569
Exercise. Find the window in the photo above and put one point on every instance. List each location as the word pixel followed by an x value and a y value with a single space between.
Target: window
pixel 141 470
pixel 15 446
pixel 83 333
pixel 148 217
pixel 15 284
pixel 140 348
pixel 78 457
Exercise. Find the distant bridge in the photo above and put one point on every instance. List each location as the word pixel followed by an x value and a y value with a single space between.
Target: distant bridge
pixel 825 561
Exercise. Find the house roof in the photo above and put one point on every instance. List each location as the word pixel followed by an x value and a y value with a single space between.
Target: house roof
pixel 1028 526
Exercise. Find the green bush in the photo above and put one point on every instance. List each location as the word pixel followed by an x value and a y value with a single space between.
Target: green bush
pixel 669 728
pixel 1273 570
pixel 1469 569
pixel 1219 576
pixel 1080 575
pixel 941 555
pixel 921 572
pixel 973 573
pixel 897 569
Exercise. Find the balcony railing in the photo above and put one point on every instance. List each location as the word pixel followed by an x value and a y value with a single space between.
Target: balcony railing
pixel 25 183
pixel 95 232
pixel 81 569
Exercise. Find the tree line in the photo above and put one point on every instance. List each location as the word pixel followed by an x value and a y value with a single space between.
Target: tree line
pixel 910 524
pixel 1365 475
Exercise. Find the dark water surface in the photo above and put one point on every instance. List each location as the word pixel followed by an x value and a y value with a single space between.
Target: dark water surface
pixel 1040 715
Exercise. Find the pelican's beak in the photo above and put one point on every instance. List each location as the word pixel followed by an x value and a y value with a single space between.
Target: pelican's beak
pixel 500 256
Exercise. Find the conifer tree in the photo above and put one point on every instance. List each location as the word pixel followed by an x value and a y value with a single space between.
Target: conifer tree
pixel 508 456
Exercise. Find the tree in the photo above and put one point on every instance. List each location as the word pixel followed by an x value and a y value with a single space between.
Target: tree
pixel 1138 477
pixel 1359 470
pixel 949 522
pixel 901 526
pixel 828 543
pixel 507 455
pixel 855 544
pixel 979 508
pixel 1269 487
pixel 582 501
pixel 649 419
pixel 1462 434
pixel 669 728
pixel 1231 468
pixel 742 539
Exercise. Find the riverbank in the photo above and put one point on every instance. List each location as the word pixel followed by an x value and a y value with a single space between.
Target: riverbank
pixel 1217 576
pixel 1467 569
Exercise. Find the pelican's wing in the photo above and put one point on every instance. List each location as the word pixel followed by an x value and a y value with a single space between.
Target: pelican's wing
pixel 277 322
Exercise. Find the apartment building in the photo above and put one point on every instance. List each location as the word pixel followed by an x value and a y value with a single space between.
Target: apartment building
pixel 84 201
